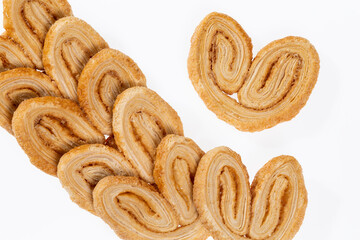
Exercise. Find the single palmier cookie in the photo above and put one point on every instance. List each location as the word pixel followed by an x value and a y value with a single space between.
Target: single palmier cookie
pixel 27 22
pixel 273 208
pixel 80 169
pixel 69 45
pixel 177 158
pixel 104 77
pixel 12 55
pixel 271 88
pixel 136 210
pixel 48 127
pixel 141 118
pixel 18 85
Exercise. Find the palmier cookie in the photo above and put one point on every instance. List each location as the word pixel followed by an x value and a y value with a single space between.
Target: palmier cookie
pixel 141 118
pixel 69 45
pixel 273 208
pixel 80 169
pixel 48 127
pixel 177 158
pixel 271 88
pixel 18 85
pixel 136 210
pixel 12 55
pixel 28 21
pixel 103 78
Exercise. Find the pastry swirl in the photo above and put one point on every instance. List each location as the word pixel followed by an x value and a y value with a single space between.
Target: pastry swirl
pixel 176 162
pixel 12 55
pixel 68 46
pixel 80 169
pixel 274 209
pixel 48 127
pixel 18 85
pixel 135 210
pixel 271 89
pixel 27 22
pixel 141 118
pixel 104 77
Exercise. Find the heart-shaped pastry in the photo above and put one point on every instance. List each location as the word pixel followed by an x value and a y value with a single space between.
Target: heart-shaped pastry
pixel 136 210
pixel 104 77
pixel 271 88
pixel 27 21
pixel 141 118
pixel 273 208
pixel 18 85
pixel 80 169
pixel 48 127
pixel 69 45
pixel 11 55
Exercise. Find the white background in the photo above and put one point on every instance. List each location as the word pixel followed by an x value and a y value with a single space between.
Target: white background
pixel 324 136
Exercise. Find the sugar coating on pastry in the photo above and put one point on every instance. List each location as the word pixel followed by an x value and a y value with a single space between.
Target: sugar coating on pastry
pixel 103 78
pixel 141 118
pixel 271 88
pixel 48 127
pixel 69 45
pixel 28 21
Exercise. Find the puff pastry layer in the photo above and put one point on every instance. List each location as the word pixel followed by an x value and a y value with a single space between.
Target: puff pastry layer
pixel 274 208
pixel 69 45
pixel 103 78
pixel 12 55
pixel 271 88
pixel 135 210
pixel 18 85
pixel 141 118
pixel 48 127
pixel 27 21
pixel 80 169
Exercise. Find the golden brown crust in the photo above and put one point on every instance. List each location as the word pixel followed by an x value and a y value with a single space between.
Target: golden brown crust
pixel 104 77
pixel 133 208
pixel 273 210
pixel 222 194
pixel 175 166
pixel 48 127
pixel 176 162
pixel 27 21
pixel 281 176
pixel 141 118
pixel 272 90
pixel 80 169
pixel 69 44
pixel 18 85
pixel 12 55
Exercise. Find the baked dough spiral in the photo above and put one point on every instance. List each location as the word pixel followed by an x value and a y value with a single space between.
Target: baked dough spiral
pixel 27 22
pixel 274 209
pixel 12 55
pixel 48 127
pixel 135 210
pixel 141 118
pixel 176 162
pixel 271 89
pixel 69 45
pixel 104 77
pixel 80 169
pixel 18 85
